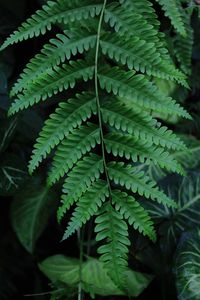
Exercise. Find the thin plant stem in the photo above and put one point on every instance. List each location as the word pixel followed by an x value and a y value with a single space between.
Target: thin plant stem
pixel 97 94
pixel 80 240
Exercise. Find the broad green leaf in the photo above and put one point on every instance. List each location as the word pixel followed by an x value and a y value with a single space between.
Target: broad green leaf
pixel 94 276
pixel 30 212
pixel 96 280
pixel 61 268
pixel 187 267
pixel 186 192
pixel 13 174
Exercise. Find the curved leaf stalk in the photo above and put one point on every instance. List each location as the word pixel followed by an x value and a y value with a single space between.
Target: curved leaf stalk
pixel 97 96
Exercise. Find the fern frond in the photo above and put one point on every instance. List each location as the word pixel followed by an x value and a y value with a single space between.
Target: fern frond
pixel 152 34
pixel 169 105
pixel 60 11
pixel 66 117
pixel 138 19
pixel 126 35
pixel 141 55
pixel 53 81
pixel 112 228
pixel 137 88
pixel 81 176
pixel 128 20
pixel 149 19
pixel 87 206
pixel 127 23
pixel 137 182
pixel 134 213
pixel 140 124
pixel 142 151
pixel 183 46
pixel 57 51
pixel 71 149
pixel 143 8
pixel 172 10
pixel 136 53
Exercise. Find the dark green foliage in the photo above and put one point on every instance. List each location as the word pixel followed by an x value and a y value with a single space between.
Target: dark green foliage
pixel 30 213
pixel 95 277
pixel 185 216
pixel 186 267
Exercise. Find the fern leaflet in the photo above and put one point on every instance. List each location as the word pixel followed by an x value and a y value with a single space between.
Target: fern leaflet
pixel 137 150
pixel 57 51
pixel 51 82
pixel 82 176
pixel 67 117
pixel 87 206
pixel 134 213
pixel 172 10
pixel 60 11
pixel 71 149
pixel 137 183
pixel 112 227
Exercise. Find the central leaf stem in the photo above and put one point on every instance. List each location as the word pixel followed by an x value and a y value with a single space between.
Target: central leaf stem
pixel 97 95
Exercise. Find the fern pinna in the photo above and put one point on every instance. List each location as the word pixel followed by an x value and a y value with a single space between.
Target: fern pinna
pixel 100 133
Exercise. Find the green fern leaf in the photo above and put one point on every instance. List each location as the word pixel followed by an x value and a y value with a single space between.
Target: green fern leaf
pixel 87 206
pixel 134 213
pixel 112 228
pixel 140 124
pixel 172 10
pixel 81 176
pixel 59 11
pixel 53 81
pixel 52 54
pixel 134 52
pixel 79 142
pixel 137 88
pixel 168 105
pixel 143 8
pixel 67 117
pixel 140 55
pixel 126 22
pixel 137 19
pixel 142 151
pixel 137 182
pixel 183 46
pixel 152 34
